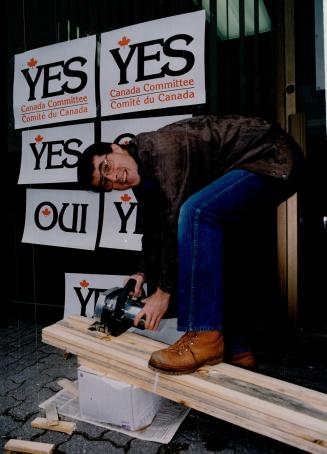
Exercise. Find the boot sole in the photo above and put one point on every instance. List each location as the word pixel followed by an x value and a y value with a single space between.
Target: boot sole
pixel 184 372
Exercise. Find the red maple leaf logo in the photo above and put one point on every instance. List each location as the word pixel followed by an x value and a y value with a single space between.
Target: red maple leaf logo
pixel 126 142
pixel 38 138
pixel 125 198
pixel 46 212
pixel 84 283
pixel 124 41
pixel 32 62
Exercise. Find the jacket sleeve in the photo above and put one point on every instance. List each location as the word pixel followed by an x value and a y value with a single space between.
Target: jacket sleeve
pixel 147 212
pixel 158 258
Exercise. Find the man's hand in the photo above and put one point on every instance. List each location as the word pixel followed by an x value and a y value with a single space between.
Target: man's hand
pixel 155 306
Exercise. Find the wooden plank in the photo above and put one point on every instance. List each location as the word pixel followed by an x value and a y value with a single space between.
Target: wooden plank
pixel 281 119
pixel 290 96
pixel 68 385
pixel 129 342
pixel 51 414
pixel 67 427
pixel 282 251
pixel 279 429
pixel 119 353
pixel 292 261
pixel 271 407
pixel 32 447
pixel 279 45
pixel 126 349
pixel 297 130
pixel 287 213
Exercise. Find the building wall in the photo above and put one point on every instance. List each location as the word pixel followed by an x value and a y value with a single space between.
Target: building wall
pixel 240 78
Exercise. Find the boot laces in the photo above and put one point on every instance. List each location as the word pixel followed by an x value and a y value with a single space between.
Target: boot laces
pixel 183 344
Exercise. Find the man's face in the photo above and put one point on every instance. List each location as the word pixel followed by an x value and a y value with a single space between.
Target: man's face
pixel 116 170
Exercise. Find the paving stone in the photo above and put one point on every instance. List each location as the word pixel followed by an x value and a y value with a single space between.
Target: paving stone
pixel 146 447
pixel 50 436
pixel 30 346
pixel 53 385
pixel 32 389
pixel 67 370
pixel 56 354
pixel 7 363
pixel 7 402
pixel 80 445
pixel 228 437
pixel 91 430
pixel 8 386
pixel 196 426
pixel 25 369
pixel 61 371
pixel 7 423
pixel 46 348
pixel 29 406
pixel 3 441
pixel 25 336
pixel 204 433
pixel 29 374
pixel 197 448
pixel 173 448
pixel 118 439
pixel 25 431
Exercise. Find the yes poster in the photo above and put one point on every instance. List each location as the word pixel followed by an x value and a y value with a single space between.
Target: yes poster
pixel 82 291
pixel 122 131
pixel 55 83
pixel 153 65
pixel 50 155
pixel 120 229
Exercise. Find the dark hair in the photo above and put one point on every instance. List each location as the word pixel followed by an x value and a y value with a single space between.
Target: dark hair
pixel 85 166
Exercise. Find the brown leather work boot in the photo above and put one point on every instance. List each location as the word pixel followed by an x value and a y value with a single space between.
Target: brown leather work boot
pixel 191 351
pixel 243 359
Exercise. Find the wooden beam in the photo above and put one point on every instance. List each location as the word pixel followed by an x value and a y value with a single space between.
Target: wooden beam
pixel 68 385
pixel 287 213
pixel 283 411
pixel 67 427
pixel 32 447
pixel 289 43
pixel 297 130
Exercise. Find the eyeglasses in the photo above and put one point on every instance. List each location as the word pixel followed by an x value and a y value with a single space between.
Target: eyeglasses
pixel 106 168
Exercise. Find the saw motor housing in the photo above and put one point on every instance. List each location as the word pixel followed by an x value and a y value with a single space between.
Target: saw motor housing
pixel 115 310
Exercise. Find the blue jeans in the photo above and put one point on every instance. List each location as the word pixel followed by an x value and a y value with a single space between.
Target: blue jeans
pixel 234 197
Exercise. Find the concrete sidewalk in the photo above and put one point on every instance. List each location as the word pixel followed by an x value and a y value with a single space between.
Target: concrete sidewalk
pixel 29 373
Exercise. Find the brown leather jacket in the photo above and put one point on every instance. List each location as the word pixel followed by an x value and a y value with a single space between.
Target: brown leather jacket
pixel 183 157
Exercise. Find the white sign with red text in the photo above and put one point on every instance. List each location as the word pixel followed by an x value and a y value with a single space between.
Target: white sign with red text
pixel 153 65
pixel 122 131
pixel 50 155
pixel 55 83
pixel 61 218
pixel 82 291
pixel 120 228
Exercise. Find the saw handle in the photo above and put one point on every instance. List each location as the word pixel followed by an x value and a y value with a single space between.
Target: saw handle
pixel 129 287
pixel 123 295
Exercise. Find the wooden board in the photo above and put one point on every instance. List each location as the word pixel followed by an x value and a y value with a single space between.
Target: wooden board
pixel 67 427
pixel 280 410
pixel 32 447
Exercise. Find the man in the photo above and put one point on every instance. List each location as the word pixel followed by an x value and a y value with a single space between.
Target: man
pixel 203 174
